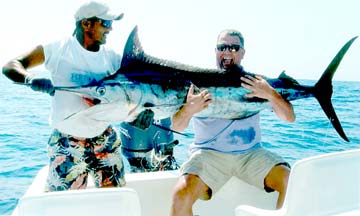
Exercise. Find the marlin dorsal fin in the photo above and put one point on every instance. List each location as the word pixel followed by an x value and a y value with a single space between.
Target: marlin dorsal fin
pixel 288 80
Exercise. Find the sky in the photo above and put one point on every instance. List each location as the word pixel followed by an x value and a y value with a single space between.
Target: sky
pixel 298 36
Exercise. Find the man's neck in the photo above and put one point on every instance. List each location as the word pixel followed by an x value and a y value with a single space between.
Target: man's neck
pixel 88 45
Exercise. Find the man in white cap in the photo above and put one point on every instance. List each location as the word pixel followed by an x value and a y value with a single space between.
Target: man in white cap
pixel 75 61
pixel 92 13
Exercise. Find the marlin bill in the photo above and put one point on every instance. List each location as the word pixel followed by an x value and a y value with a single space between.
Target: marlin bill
pixel 146 82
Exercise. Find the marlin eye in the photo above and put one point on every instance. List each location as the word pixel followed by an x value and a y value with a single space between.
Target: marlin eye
pixel 101 90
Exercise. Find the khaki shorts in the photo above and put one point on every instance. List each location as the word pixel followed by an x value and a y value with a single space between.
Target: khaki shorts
pixel 216 168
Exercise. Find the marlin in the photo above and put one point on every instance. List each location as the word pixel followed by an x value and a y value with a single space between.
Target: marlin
pixel 146 82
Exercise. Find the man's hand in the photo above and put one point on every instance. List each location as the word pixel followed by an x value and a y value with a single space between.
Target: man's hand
pixel 197 102
pixel 194 104
pixel 42 85
pixel 258 86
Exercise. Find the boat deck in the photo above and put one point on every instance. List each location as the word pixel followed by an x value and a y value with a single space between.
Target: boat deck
pixel 154 190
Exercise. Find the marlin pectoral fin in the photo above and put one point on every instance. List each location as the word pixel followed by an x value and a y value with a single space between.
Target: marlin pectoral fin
pixel 323 89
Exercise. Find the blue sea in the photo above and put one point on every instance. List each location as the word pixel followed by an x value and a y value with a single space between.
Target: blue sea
pixel 24 133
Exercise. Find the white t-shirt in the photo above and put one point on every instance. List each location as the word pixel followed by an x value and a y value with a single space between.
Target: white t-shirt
pixel 72 65
pixel 228 136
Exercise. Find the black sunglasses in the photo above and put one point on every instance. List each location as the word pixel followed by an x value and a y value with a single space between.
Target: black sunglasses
pixel 230 47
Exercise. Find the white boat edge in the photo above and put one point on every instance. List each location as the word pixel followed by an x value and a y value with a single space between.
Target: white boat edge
pixel 153 191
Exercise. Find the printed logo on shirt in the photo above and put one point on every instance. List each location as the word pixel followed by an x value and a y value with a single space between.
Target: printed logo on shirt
pixel 242 136
pixel 83 79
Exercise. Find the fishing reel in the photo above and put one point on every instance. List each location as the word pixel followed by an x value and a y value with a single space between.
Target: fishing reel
pixel 146 146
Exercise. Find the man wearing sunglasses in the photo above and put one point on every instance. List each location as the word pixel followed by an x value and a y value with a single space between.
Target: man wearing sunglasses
pixel 224 148
pixel 77 60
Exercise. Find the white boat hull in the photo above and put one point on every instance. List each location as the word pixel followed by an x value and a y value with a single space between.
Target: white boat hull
pixel 327 184
pixel 154 190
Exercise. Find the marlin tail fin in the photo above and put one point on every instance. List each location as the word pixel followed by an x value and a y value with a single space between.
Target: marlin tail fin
pixel 323 89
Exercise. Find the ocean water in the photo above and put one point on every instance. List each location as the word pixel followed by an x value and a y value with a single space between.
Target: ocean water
pixel 24 133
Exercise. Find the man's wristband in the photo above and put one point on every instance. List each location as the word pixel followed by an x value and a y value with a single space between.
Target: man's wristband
pixel 28 78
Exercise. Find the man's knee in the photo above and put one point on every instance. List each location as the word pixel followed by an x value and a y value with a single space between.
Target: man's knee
pixel 190 188
pixel 277 179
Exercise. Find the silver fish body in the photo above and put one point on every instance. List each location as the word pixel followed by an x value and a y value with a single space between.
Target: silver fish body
pixel 120 98
pixel 145 82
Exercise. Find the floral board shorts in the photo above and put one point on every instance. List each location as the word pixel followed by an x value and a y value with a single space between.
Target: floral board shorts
pixel 72 159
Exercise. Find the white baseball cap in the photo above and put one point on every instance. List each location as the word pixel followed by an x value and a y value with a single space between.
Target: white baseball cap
pixel 96 9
